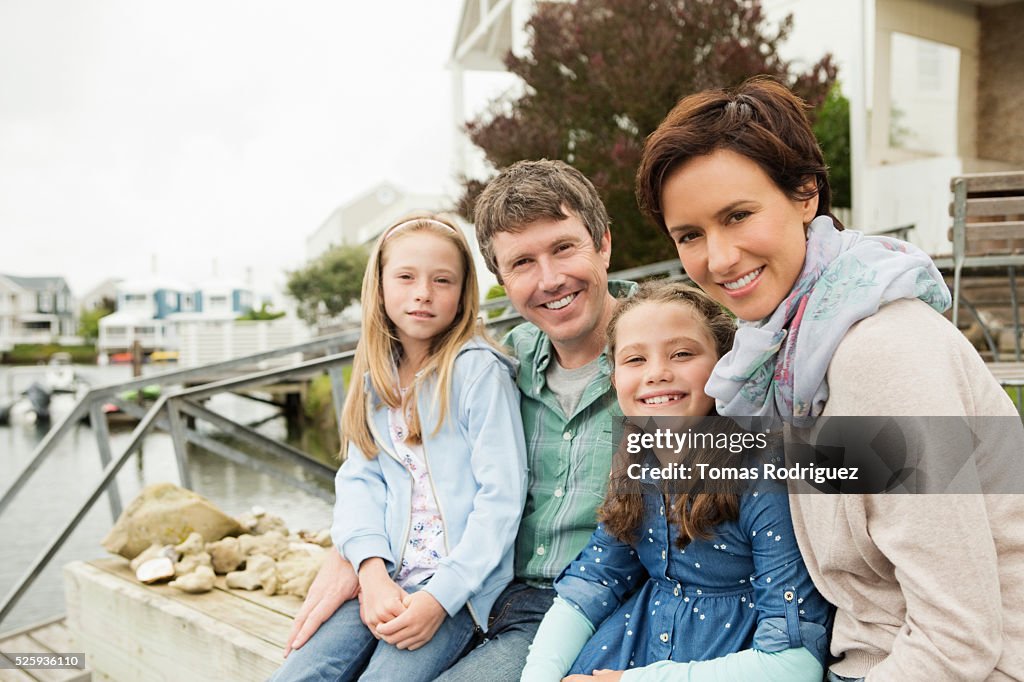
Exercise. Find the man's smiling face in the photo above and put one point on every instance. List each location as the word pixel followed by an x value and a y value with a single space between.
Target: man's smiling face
pixel 556 278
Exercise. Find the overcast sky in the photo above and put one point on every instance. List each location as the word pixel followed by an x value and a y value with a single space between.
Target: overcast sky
pixel 222 130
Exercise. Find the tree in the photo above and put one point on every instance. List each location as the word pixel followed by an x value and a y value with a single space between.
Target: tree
pixel 328 284
pixel 266 312
pixel 832 129
pixel 89 320
pixel 601 74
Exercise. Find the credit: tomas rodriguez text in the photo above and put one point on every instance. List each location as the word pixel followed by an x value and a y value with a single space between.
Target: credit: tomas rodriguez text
pixel 713 472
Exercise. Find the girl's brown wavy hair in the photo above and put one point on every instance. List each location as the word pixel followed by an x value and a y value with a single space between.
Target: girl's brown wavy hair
pixel 698 511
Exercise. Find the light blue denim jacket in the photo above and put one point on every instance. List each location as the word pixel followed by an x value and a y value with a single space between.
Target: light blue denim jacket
pixel 477 464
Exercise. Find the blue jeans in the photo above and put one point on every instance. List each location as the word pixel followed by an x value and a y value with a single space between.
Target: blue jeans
pixel 501 654
pixel 343 649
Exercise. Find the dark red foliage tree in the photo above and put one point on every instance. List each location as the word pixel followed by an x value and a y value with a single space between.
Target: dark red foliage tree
pixel 601 74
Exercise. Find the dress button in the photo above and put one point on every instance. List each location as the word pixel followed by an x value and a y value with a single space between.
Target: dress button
pixel 559 492
pixel 663 637
pixel 567 435
pixel 540 551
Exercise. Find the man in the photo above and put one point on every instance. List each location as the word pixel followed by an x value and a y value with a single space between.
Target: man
pixel 545 234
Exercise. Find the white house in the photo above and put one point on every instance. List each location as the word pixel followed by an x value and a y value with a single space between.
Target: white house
pixel 361 220
pixel 152 311
pixel 102 292
pixel 35 310
pixel 934 89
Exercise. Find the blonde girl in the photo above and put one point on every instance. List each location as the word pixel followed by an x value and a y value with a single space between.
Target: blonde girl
pixel 431 491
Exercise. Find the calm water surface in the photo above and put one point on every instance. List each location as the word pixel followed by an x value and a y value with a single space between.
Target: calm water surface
pixel 62 484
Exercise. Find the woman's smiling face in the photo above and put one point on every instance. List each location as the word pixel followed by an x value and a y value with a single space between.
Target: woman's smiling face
pixel 739 237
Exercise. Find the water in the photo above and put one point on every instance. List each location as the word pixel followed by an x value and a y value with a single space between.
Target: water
pixel 59 487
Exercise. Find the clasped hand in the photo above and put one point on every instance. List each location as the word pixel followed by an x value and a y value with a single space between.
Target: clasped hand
pixel 408 621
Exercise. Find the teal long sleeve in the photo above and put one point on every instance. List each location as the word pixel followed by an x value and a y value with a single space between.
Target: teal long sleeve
pixel 559 640
pixel 749 665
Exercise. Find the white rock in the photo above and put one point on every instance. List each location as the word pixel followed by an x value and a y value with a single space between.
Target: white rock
pixel 155 570
pixel 198 581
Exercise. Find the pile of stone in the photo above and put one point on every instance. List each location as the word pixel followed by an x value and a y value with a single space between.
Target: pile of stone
pixel 170 533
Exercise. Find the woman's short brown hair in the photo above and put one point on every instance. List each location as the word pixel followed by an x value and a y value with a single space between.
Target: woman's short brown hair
pixel 760 119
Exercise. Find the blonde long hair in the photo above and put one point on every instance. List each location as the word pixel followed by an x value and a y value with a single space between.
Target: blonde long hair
pixel 379 350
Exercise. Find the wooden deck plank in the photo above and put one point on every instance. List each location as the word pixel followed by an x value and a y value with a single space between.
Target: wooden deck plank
pixel 14 675
pixel 134 632
pixel 25 644
pixel 227 606
pixel 285 604
pixel 55 637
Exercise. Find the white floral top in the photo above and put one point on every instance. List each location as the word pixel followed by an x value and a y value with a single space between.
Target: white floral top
pixel 426 534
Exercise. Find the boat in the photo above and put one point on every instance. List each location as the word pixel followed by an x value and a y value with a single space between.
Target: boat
pixel 31 407
pixel 60 375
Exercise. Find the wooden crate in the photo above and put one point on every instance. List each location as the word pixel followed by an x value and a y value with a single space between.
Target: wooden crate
pixel 131 631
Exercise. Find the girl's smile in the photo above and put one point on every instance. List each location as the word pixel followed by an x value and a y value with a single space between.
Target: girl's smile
pixel 663 358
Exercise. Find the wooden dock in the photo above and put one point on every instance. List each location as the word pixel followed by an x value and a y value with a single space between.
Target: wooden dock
pixel 49 637
pixel 131 631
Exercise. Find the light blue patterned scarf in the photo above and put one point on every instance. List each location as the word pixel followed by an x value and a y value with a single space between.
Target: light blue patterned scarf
pixel 776 368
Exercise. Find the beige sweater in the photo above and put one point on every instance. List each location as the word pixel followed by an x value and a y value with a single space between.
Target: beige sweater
pixel 928 587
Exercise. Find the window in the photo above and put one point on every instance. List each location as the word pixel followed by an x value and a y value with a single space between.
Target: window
pixel 45 303
pixel 924 84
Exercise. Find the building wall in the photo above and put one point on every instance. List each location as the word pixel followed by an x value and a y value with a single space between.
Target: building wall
pixel 1000 94
pixel 952 22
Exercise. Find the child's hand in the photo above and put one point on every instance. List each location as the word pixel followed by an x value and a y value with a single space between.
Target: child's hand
pixel 380 598
pixel 599 675
pixel 414 628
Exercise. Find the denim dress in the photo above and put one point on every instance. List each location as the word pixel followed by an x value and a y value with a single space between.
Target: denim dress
pixel 746 587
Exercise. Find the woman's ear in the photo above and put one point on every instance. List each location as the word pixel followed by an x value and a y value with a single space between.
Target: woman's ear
pixel 809 207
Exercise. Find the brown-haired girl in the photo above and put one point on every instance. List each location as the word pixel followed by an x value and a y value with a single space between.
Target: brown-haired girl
pixel 698 586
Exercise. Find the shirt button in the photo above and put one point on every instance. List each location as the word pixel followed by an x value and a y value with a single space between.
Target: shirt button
pixel 540 551
pixel 559 492
pixel 664 554
pixel 567 435
pixel 676 591
pixel 663 637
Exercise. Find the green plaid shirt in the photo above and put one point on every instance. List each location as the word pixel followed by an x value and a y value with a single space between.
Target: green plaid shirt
pixel 569 458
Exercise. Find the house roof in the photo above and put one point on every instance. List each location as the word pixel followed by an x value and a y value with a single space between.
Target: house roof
pixel 37 283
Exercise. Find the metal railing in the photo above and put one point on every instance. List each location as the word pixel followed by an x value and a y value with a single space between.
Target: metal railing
pixel 167 414
pixel 176 406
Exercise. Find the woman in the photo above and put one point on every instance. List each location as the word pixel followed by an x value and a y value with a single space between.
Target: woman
pixel 833 323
